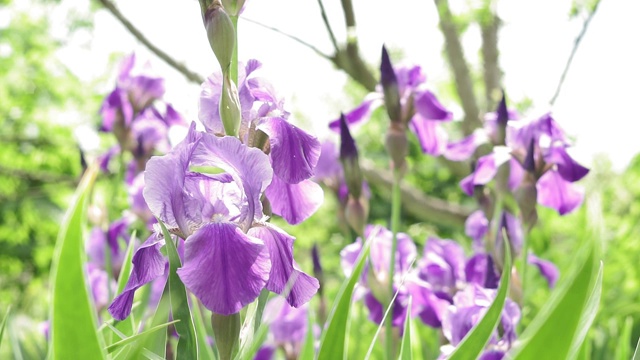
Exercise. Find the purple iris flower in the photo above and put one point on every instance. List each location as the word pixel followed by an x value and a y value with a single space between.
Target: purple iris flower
pixel 418 106
pixel 375 277
pixel 469 305
pixel 293 153
pixel 288 327
pixel 230 252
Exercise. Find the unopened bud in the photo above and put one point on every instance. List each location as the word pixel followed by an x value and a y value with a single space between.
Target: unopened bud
pixel 397 144
pixel 230 112
pixel 226 329
pixel 357 213
pixel 390 88
pixel 221 34
pixel 527 198
pixel 349 160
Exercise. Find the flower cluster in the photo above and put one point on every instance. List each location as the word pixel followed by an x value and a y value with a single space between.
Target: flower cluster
pixel 215 192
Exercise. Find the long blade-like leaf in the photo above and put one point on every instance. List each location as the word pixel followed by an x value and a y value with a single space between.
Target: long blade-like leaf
pixel 187 343
pixel 308 348
pixel 476 339
pixel 4 323
pixel 74 321
pixel 561 326
pixel 205 351
pixel 137 337
pixel 333 344
pixel 636 354
pixel 405 348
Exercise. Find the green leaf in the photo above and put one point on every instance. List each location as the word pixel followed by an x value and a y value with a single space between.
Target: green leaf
pixel 126 326
pixel 561 326
pixel 308 349
pixel 636 354
pixel 4 323
pixel 137 337
pixel 476 339
pixel 187 343
pixel 333 343
pixel 405 348
pixel 622 350
pixel 74 333
pixel 204 350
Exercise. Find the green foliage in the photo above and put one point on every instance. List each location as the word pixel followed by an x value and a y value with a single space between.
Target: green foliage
pixel 477 338
pixel 334 337
pixel 73 315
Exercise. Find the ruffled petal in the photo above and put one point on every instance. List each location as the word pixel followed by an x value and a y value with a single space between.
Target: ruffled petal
pixel 148 265
pixel 557 193
pixel 547 269
pixel 164 190
pixel 294 153
pixel 249 167
pixel 294 202
pixel 224 268
pixel 284 273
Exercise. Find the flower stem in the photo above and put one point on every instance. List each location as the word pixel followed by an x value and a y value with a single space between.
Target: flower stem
pixel 234 57
pixel 396 202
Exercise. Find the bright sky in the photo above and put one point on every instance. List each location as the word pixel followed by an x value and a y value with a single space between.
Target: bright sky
pixel 595 105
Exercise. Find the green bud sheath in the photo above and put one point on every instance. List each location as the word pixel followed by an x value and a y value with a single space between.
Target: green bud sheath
pixel 230 112
pixel 226 330
pixel 221 34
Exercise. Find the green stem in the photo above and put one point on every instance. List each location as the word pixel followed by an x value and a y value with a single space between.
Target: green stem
pixel 262 301
pixel 396 202
pixel 234 57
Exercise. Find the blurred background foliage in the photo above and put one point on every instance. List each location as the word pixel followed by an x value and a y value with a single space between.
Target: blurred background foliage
pixel 41 102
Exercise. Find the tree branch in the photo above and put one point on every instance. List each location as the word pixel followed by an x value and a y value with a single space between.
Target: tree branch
pixel 323 13
pixel 573 51
pixel 492 73
pixel 190 75
pixel 292 37
pixel 461 73
pixel 414 201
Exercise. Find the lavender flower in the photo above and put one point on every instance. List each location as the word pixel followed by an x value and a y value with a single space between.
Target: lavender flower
pixel 419 107
pixel 230 252
pixel 293 153
pixel 288 327
pixel 375 278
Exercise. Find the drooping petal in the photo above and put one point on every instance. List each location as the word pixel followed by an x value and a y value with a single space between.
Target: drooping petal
pixel 428 305
pixel 557 193
pixel 428 106
pixel 568 168
pixel 294 202
pixel 294 153
pixel 547 269
pixel 116 109
pixel 224 268
pixel 432 137
pixel 462 149
pixel 481 270
pixel 148 265
pixel 328 166
pixel 361 113
pixel 287 324
pixel 249 167
pixel 442 265
pixel 285 278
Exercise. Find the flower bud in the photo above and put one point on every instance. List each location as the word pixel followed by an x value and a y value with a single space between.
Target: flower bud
pixel 221 34
pixel 357 213
pixel 226 330
pixel 349 160
pixel 230 112
pixel 502 117
pixel 527 198
pixel 390 88
pixel 397 145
